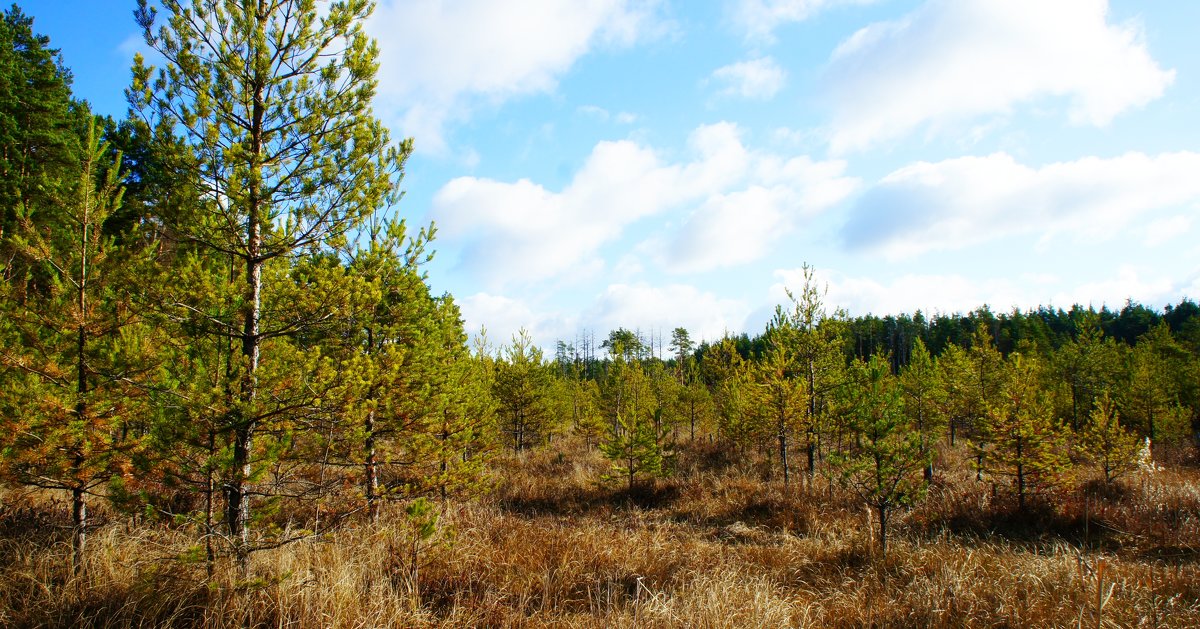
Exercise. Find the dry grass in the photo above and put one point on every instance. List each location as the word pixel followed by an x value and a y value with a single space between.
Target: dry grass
pixel 555 547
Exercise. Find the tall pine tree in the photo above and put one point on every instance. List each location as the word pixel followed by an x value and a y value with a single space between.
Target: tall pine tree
pixel 273 98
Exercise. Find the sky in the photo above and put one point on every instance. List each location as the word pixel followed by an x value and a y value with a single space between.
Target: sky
pixel 594 164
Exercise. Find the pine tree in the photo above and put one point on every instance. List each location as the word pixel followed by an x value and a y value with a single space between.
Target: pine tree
pixel 728 376
pixel 41 126
pixel 1023 442
pixel 273 99
pixel 957 395
pixel 921 385
pixel 885 455
pixel 390 352
pixel 681 348
pixel 696 406
pixel 780 394
pixel 522 390
pixel 466 430
pixel 1155 373
pixel 635 447
pixel 1112 447
pixel 71 342
pixel 819 354
pixel 1087 366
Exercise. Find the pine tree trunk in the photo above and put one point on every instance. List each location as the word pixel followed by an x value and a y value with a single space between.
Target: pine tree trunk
pixel 210 489
pixel 783 455
pixel 812 456
pixel 79 514
pixel 370 469
pixel 883 516
pixel 238 509
pixel 1020 487
pixel 79 520
pixel 812 418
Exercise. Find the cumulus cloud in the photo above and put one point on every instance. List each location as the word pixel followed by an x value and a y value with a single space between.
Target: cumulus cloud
pixel 909 293
pixel 520 232
pixel 955 293
pixel 704 314
pixel 441 58
pixel 758 19
pixel 965 201
pixel 951 61
pixel 742 225
pixel 649 308
pixel 1127 283
pixel 756 79
pixel 1166 229
pixel 604 115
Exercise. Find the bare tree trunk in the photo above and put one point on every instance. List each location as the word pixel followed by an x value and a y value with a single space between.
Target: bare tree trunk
pixel 783 455
pixel 210 488
pixel 79 514
pixel 79 520
pixel 238 508
pixel 883 516
pixel 370 469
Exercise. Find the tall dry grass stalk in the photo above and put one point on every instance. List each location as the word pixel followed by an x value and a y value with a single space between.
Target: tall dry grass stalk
pixel 555 547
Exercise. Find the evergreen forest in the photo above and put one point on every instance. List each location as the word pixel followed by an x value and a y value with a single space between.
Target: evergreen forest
pixel 229 396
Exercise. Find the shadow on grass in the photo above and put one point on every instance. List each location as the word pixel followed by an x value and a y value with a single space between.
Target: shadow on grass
pixel 600 497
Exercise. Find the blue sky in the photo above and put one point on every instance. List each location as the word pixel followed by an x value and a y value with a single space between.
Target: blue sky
pixel 602 163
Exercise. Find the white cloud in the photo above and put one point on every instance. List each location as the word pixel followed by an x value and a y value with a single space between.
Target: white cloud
pixel 500 316
pixel 1167 229
pixel 503 317
pixel 741 226
pixel 641 306
pixel 758 19
pixel 758 79
pixel 955 293
pixel 947 293
pixel 965 201
pixel 441 58
pixel 1127 283
pixel 729 229
pixel 603 115
pixel 951 61
pixel 737 199
pixel 594 111
pixel 664 308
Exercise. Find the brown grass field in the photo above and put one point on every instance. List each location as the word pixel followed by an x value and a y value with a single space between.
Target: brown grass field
pixel 717 545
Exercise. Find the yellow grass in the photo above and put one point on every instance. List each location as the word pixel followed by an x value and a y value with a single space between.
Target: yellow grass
pixel 554 547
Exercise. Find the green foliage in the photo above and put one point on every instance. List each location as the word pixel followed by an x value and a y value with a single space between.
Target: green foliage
pixel 1024 443
pixel 819 339
pixel 1156 375
pixel 42 129
pixel 920 380
pixel 728 377
pixel 1084 368
pixel 780 395
pixel 883 461
pixel 579 399
pixel 696 407
pixel 68 342
pixel 1108 444
pixel 636 448
pixel 681 347
pixel 422 518
pixel 522 391
pixel 624 345
pixel 273 109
